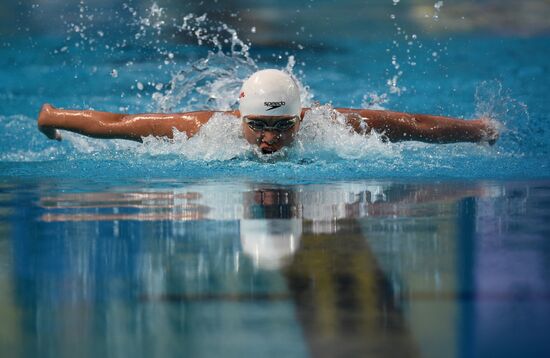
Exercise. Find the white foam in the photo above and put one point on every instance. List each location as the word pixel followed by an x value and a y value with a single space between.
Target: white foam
pixel 324 132
pixel 322 135
pixel 219 139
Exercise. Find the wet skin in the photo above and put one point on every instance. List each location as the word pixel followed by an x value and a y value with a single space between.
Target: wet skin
pixel 270 141
pixel 394 126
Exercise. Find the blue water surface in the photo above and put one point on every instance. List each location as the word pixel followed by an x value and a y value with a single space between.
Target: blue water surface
pixel 504 78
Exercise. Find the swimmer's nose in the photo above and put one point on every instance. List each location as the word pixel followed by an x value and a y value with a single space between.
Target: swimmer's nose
pixel 270 137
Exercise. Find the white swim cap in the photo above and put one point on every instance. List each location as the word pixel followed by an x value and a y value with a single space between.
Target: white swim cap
pixel 270 93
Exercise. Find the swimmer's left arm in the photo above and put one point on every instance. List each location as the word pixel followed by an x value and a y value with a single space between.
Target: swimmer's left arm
pixel 397 126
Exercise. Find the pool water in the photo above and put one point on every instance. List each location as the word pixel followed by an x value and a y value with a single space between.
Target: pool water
pixel 341 245
pixel 237 268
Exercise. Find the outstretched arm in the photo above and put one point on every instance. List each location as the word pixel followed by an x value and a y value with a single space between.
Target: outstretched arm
pixel 397 126
pixel 118 126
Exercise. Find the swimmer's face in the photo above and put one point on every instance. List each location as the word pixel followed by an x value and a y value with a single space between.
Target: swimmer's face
pixel 270 133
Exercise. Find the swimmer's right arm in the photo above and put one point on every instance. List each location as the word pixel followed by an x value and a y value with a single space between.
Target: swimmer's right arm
pixel 118 126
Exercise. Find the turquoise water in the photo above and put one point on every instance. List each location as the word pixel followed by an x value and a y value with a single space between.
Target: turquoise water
pixel 341 245
pixel 502 78
pixel 516 98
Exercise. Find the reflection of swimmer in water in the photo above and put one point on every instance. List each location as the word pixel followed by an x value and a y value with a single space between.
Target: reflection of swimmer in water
pixel 271 113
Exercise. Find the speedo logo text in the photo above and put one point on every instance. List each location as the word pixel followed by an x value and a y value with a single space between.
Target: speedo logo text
pixel 273 105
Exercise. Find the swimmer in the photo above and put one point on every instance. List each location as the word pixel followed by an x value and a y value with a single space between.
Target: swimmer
pixel 271 114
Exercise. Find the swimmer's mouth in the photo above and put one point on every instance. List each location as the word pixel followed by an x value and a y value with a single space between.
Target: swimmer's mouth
pixel 268 150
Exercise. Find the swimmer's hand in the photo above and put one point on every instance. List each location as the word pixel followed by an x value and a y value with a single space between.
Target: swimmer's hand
pixel 490 130
pixel 43 119
pixel 51 133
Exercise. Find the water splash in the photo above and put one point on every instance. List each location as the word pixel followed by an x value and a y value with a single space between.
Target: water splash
pixel 214 33
pixel 219 139
pixel 306 96
pixel 401 56
pixel 213 82
pixel 324 134
pixel 511 116
pixel 179 83
pixel 373 100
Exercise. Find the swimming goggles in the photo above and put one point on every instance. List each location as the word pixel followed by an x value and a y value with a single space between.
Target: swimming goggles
pixel 282 125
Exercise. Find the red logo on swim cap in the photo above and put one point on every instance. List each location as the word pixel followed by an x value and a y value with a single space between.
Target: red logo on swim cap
pixel 242 95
